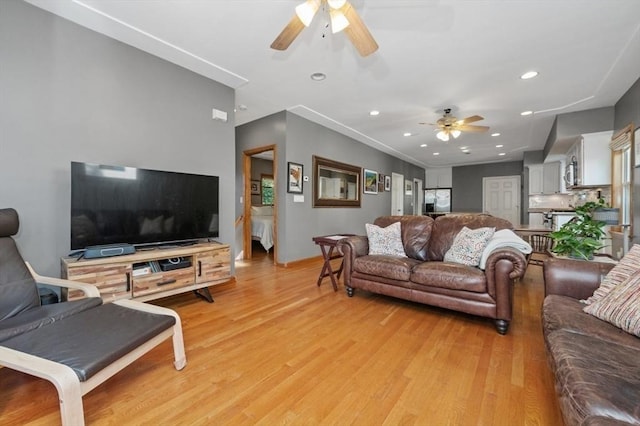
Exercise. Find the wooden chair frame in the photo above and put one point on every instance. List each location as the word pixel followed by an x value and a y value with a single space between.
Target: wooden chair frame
pixel 70 388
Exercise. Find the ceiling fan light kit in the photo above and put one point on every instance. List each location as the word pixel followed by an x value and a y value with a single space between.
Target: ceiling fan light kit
pixel 343 18
pixel 449 125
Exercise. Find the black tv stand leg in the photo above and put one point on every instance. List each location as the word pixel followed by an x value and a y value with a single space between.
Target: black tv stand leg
pixel 203 293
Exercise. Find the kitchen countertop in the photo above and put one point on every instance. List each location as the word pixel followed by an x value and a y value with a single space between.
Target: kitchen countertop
pixel 550 209
pixel 532 228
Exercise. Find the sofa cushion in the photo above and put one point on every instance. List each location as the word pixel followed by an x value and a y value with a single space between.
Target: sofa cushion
pixel 594 377
pixel 385 240
pixel 392 267
pixel 565 313
pixel 415 230
pixel 454 276
pixel 621 306
pixel 468 245
pixel 627 266
pixel 39 316
pixel 445 229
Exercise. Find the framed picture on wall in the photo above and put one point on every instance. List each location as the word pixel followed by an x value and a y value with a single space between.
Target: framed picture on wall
pixel 408 187
pixel 294 178
pixel 255 187
pixel 387 183
pixel 370 181
pixel 380 182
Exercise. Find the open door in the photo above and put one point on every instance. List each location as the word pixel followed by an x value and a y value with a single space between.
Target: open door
pixel 247 197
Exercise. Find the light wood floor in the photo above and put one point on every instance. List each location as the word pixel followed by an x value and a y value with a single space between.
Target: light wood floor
pixel 276 349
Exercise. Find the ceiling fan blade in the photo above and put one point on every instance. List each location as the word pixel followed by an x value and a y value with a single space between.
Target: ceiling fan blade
pixel 288 34
pixel 468 128
pixel 471 119
pixel 357 31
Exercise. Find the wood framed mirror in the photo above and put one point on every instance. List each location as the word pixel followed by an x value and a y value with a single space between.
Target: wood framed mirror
pixel 335 184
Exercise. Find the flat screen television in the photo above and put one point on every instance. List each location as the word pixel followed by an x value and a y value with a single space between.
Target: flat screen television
pixel 117 204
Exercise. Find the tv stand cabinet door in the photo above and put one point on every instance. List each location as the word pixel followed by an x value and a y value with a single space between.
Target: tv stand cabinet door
pixel 113 280
pixel 213 266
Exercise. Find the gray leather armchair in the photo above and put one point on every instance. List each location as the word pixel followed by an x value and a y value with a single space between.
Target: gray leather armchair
pixel 75 345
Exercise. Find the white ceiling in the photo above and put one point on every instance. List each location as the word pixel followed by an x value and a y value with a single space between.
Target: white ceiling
pixel 461 54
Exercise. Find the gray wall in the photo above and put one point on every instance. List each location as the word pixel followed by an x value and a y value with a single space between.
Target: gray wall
pixel 467 183
pixel 70 94
pixel 298 139
pixel 569 125
pixel 627 110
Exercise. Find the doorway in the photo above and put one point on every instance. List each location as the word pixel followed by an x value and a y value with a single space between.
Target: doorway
pixel 258 184
pixel 501 197
pixel 418 197
pixel 397 194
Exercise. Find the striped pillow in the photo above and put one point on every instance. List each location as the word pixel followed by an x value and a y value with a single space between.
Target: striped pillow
pixel 621 306
pixel 628 265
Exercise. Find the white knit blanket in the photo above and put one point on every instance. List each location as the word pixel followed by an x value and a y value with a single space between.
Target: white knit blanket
pixel 504 238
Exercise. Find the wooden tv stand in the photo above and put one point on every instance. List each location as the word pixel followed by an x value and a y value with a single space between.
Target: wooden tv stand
pixel 147 274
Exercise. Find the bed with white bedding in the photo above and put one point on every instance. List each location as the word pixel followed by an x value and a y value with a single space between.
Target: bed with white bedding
pixel 262 225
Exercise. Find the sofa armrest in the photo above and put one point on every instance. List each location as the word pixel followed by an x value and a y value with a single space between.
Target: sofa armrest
pixel 515 256
pixel 573 278
pixel 352 247
pixel 88 289
pixel 503 266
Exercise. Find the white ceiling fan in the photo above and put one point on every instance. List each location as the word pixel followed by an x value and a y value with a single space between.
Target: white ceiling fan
pixel 449 125
pixel 343 18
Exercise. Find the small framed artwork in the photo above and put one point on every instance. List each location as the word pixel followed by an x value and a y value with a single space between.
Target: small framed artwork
pixel 255 187
pixel 380 182
pixel 387 183
pixel 294 178
pixel 370 181
pixel 408 185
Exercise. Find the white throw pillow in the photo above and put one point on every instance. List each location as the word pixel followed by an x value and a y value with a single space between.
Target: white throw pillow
pixel 468 246
pixel 387 241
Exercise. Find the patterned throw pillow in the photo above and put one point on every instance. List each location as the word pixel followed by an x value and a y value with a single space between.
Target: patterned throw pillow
pixel 628 265
pixel 385 240
pixel 621 306
pixel 468 246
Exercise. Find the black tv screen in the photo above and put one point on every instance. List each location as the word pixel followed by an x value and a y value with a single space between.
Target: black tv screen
pixel 117 204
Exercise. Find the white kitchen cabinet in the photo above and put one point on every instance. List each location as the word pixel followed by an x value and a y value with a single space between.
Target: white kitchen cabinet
pixel 535 179
pixel 438 177
pixel 545 178
pixel 591 158
pixel 536 219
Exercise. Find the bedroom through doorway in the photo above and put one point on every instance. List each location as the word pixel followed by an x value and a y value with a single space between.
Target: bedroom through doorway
pixel 260 207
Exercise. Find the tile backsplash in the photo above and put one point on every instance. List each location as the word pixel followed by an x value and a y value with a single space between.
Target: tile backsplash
pixel 564 201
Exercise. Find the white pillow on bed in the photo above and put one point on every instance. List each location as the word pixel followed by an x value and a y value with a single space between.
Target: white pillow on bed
pixel 262 210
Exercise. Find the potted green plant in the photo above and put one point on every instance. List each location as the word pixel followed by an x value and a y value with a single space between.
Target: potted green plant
pixel 581 237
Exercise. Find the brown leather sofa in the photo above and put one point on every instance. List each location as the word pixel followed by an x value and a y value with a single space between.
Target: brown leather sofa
pixel 424 277
pixel 596 365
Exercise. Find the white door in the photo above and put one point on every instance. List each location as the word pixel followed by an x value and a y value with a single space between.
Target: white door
pixel 501 197
pixel 418 197
pixel 397 194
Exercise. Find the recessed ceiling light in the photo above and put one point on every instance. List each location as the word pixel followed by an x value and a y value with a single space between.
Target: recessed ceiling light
pixel 526 113
pixel 495 134
pixel 318 76
pixel 464 147
pixel 466 151
pixel 499 146
pixel 374 113
pixel 529 74
pixel 406 134
pixel 436 153
pixel 502 153
pixel 424 145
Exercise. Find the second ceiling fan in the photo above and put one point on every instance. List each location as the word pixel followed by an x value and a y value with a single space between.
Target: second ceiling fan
pixel 343 17
pixel 449 125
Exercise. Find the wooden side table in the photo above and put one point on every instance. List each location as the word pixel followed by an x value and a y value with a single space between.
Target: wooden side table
pixel 328 244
